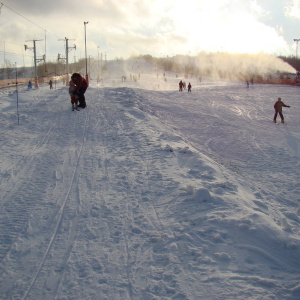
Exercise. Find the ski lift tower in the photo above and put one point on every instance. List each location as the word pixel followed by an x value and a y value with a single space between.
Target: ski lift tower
pixel 36 60
pixel 68 49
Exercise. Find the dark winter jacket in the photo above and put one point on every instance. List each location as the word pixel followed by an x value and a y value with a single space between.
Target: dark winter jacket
pixel 79 81
pixel 279 104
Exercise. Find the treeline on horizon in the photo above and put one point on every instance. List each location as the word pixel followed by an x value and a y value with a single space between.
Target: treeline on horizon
pixel 292 61
pixel 43 70
pixel 220 65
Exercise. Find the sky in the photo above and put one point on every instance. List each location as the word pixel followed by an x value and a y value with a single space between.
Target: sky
pixel 120 29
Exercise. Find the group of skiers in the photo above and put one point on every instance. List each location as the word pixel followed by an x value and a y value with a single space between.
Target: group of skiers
pixel 77 87
pixel 277 106
pixel 182 85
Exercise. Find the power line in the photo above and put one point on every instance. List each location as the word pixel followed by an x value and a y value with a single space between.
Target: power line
pixel 13 53
pixel 35 24
pixel 23 16
pixel 9 42
pixel 2 4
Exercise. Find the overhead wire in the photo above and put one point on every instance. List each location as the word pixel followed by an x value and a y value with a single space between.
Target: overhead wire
pixel 2 4
pixel 37 25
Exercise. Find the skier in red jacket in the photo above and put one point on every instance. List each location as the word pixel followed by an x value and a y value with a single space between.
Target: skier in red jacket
pixel 278 110
pixel 180 86
pixel 81 87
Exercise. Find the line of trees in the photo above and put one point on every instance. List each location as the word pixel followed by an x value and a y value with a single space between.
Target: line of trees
pixel 8 71
pixel 292 61
pixel 201 65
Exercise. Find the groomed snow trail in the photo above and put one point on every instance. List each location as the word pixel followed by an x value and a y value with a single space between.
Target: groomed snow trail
pixel 82 203
pixel 122 201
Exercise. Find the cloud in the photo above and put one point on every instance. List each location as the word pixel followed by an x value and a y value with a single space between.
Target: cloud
pixel 293 9
pixel 157 27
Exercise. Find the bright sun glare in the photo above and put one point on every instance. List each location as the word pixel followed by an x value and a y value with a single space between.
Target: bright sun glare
pixel 213 27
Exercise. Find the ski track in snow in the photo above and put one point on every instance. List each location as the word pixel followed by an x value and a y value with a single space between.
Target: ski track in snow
pixel 150 194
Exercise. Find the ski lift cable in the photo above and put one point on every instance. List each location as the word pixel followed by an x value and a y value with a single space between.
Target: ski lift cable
pixel 2 4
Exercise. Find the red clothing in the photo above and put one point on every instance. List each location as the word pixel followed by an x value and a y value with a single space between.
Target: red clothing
pixel 180 86
pixel 80 82
pixel 74 100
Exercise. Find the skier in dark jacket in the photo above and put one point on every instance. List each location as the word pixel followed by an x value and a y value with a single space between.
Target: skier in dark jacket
pixel 81 87
pixel 180 86
pixel 278 109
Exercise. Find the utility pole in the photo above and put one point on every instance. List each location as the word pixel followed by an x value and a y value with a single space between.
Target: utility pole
pixel 86 70
pixel 4 53
pixel 296 40
pixel 17 94
pixel 68 49
pixel 98 69
pixel 36 60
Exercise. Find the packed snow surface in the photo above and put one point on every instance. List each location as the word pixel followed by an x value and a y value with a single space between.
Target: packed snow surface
pixel 150 193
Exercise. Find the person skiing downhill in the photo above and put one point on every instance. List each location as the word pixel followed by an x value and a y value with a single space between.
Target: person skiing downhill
pixel 278 110
pixel 81 87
